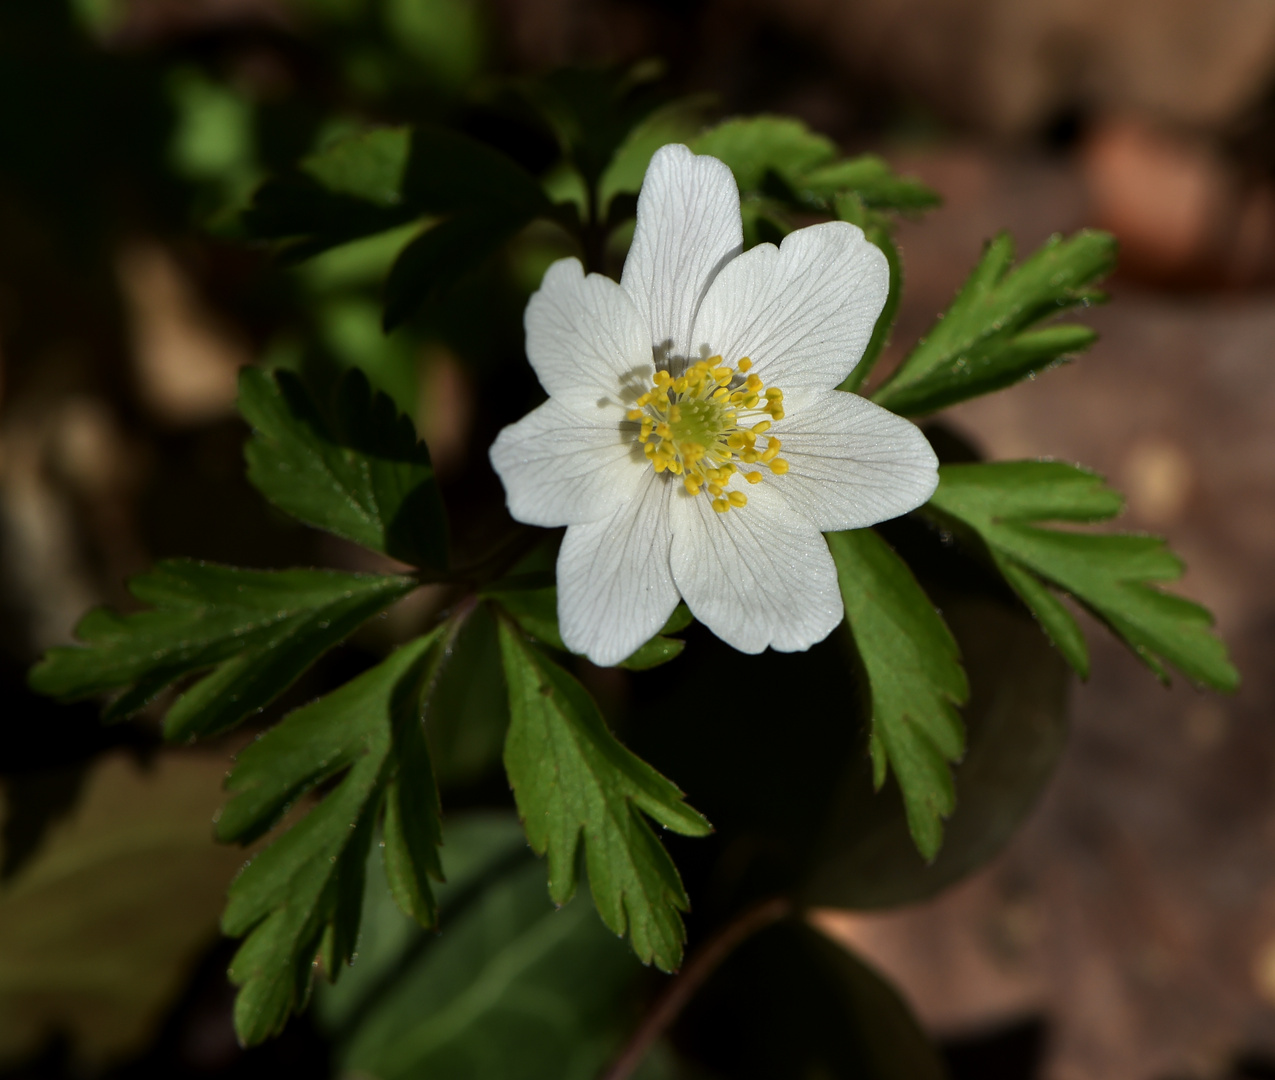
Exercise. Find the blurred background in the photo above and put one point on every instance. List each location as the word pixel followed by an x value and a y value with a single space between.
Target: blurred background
pixel 1127 932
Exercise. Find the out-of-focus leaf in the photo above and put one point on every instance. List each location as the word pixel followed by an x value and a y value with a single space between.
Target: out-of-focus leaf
pixel 302 896
pixel 361 474
pixel 444 254
pixel 571 777
pixel 869 179
pixel 789 1004
pixel 914 679
pixel 444 36
pixel 513 989
pixel 753 146
pixel 676 122
pixel 479 847
pixel 99 929
pixel 258 630
pixel 1016 724
pixel 986 341
pixel 1003 504
pixel 372 181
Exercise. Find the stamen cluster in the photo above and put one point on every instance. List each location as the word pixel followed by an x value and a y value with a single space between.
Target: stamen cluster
pixel 693 427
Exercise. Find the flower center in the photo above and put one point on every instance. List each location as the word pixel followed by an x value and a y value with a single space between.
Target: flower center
pixel 704 426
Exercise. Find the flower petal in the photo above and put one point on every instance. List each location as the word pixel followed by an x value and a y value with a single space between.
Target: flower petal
pixel 559 469
pixel 852 463
pixel 757 576
pixel 803 312
pixel 615 588
pixel 688 226
pixel 585 339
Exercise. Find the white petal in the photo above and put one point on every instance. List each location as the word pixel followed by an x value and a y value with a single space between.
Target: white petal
pixel 585 338
pixel 852 463
pixel 559 468
pixel 757 576
pixel 688 226
pixel 615 588
pixel 803 312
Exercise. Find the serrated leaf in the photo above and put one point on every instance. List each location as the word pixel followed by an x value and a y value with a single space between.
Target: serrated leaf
pixel 1114 576
pixel 257 629
pixel 370 165
pixel 302 895
pixel 360 473
pixel 984 341
pixel 444 254
pixel 1016 728
pixel 914 679
pixel 570 777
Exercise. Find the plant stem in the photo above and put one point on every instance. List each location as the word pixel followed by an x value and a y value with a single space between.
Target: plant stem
pixel 684 985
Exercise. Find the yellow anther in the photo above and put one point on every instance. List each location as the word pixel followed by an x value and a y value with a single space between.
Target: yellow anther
pixel 695 427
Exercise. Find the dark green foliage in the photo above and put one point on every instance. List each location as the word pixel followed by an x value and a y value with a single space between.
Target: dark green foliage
pixel 257 629
pixel 513 988
pixel 791 1005
pixel 570 777
pixel 1003 505
pixel 357 471
pixel 302 895
pixel 914 679
pixel 986 341
pixel 373 181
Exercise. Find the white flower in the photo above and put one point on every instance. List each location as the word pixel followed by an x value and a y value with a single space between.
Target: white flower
pixel 672 396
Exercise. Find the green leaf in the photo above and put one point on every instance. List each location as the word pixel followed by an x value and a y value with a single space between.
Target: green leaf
pixel 100 930
pixel 372 181
pixel 302 896
pixel 850 207
pixel 754 146
pixel 914 678
pixel 258 630
pixel 871 180
pixel 1003 505
pixel 513 988
pixel 443 255
pixel 569 776
pixel 361 473
pixel 984 341
pixel 370 165
pixel 1016 724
